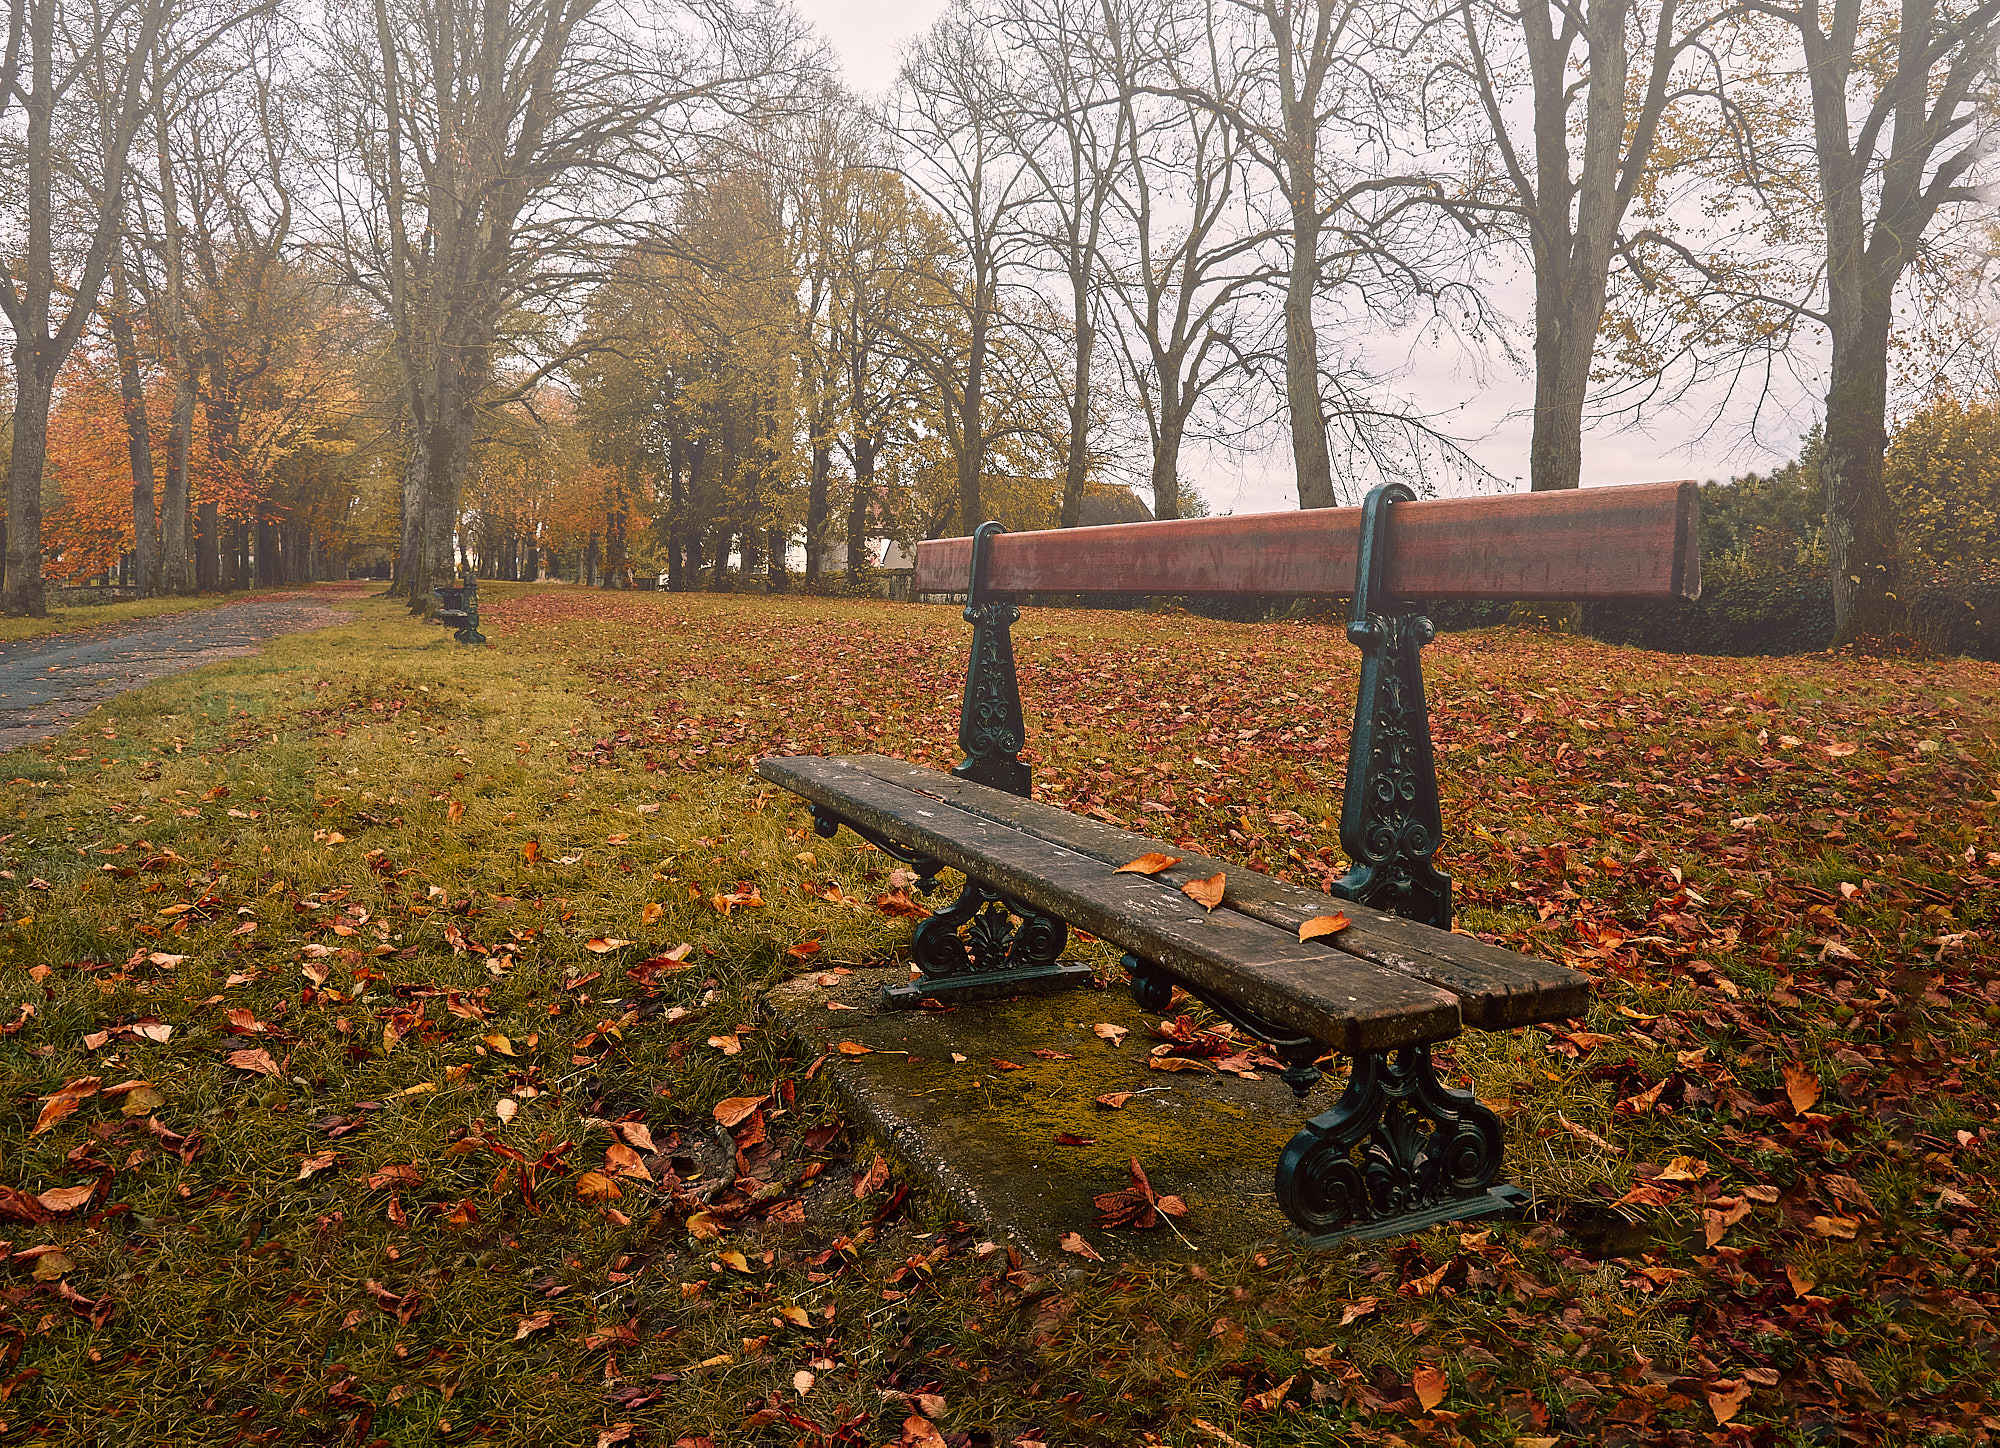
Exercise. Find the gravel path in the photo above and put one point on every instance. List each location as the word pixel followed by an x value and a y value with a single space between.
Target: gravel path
pixel 47 683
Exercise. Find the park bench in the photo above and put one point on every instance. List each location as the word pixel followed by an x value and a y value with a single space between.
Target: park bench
pixel 458 609
pixel 1398 1150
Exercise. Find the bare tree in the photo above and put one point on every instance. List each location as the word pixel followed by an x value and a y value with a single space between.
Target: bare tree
pixel 1068 123
pixel 1303 83
pixel 1189 250
pixel 1574 61
pixel 962 161
pixel 1895 107
pixel 502 150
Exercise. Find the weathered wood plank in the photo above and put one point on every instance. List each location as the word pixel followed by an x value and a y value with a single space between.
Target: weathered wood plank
pixel 1633 542
pixel 1354 1006
pixel 1497 988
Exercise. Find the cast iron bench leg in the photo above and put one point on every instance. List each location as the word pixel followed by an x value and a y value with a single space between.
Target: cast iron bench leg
pixel 1398 1152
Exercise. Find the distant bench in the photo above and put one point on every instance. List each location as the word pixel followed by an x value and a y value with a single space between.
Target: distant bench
pixel 1399 1150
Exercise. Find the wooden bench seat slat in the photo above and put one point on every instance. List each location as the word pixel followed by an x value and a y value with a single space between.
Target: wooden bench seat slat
pixel 1496 988
pixel 1267 970
pixel 1593 544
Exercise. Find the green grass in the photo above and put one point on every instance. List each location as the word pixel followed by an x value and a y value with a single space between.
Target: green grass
pixel 362 907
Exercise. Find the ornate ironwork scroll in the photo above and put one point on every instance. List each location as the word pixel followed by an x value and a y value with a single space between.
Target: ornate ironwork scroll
pixel 826 824
pixel 1153 989
pixel 991 729
pixel 1390 824
pixel 1397 1152
pixel 987 944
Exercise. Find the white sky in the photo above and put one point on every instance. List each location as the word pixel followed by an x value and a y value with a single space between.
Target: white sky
pixel 869 36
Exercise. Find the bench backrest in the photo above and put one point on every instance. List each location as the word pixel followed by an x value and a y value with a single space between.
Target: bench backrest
pixel 1635 542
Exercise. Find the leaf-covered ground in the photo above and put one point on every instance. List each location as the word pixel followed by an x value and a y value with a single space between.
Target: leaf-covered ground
pixel 381 1059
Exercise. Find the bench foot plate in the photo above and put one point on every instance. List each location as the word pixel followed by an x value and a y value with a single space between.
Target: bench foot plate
pixel 987 985
pixel 1500 1201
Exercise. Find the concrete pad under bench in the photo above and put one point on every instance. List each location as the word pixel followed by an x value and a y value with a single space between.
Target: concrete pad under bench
pixel 984 1137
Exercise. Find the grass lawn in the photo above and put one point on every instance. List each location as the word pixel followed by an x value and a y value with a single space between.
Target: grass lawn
pixel 367 1009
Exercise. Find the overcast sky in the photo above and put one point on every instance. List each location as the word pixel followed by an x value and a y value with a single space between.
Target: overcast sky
pixel 869 35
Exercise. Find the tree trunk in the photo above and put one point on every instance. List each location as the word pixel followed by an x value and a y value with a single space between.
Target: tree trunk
pixel 1565 340
pixel 208 550
pixel 972 430
pixel 138 436
pixel 1863 560
pixel 858 504
pixel 410 562
pixel 817 507
pixel 1302 406
pixel 25 460
pixel 1076 465
pixel 774 556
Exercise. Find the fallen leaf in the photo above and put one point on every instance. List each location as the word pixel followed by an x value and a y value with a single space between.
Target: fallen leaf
pixel 52 1264
pixel 1358 1309
pixel 67 1098
pixel 635 1134
pixel 802 1382
pixel 1115 1100
pixel 1177 1063
pixel 142 1100
pixel 595 1186
pixel 604 945
pixel 534 1322
pixel 1205 893
pixel 1114 1034
pixel 395 1175
pixel 257 1059
pixel 621 1160
pixel 1802 1086
pixel 737 1108
pixel 871 1180
pixel 853 1048
pixel 1264 1402
pixel 506 1108
pixel 1802 1281
pixel 1138 1205
pixel 1068 1138
pixel 66 1199
pixel 314 1164
pixel 1147 864
pixel 1841 751
pixel 1840 1228
pixel 1584 1133
pixel 1726 1399
pixel 729 1045
pixel 1716 1223
pixel 735 1261
pixel 1430 1384
pixel 499 1043
pixel 918 1433
pixel 1323 925
pixel 1074 1242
